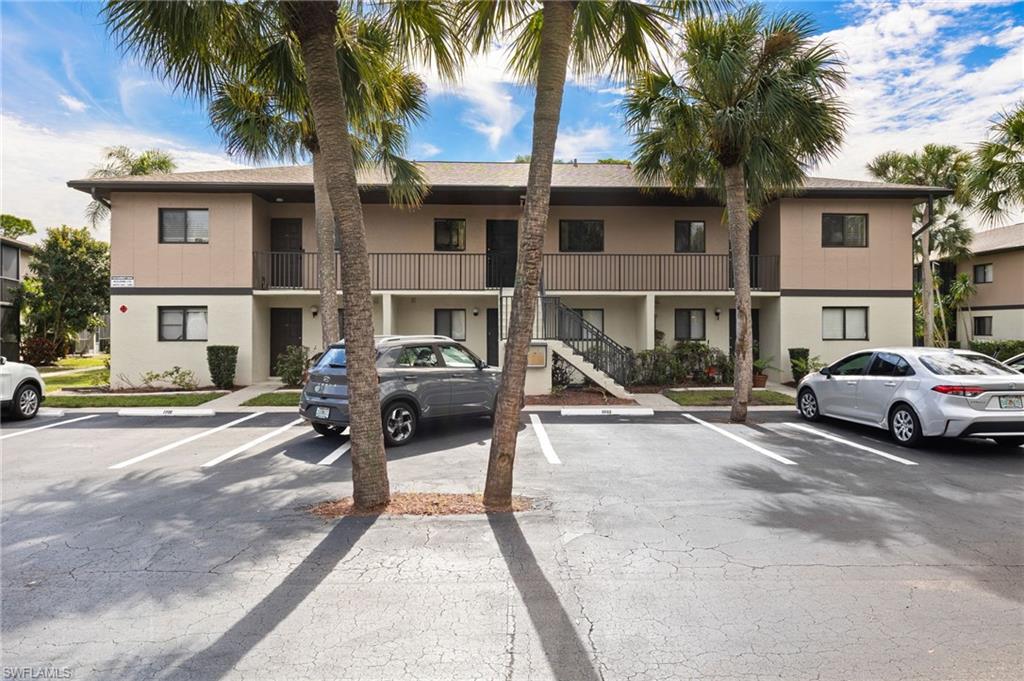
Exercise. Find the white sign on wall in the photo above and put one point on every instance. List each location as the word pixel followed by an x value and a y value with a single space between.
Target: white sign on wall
pixel 122 281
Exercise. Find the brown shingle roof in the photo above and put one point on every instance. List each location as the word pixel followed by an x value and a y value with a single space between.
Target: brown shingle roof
pixel 467 174
pixel 998 239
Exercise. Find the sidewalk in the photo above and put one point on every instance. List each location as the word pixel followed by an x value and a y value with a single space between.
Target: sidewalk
pixel 233 400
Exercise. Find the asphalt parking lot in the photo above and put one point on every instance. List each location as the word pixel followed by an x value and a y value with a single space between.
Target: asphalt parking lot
pixel 672 546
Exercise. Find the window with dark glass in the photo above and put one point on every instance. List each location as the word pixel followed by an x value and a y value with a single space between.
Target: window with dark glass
pixel 9 265
pixel 848 230
pixel 182 323
pixel 844 323
pixel 449 234
pixel 690 324
pixel 851 366
pixel 888 364
pixel 581 236
pixel 982 326
pixel 451 323
pixel 689 236
pixel 184 225
pixel 983 274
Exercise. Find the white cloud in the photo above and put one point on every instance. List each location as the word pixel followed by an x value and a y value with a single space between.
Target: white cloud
pixel 584 144
pixel 73 104
pixel 37 162
pixel 422 150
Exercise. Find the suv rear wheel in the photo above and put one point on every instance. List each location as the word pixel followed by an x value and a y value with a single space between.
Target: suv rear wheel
pixel 326 430
pixel 399 423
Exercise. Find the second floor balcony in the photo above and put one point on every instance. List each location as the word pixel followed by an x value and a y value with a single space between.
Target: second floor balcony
pixel 281 270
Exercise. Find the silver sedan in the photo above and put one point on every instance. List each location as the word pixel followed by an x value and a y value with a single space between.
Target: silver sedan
pixel 920 392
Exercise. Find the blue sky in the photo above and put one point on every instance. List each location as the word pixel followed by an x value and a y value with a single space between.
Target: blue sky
pixel 919 72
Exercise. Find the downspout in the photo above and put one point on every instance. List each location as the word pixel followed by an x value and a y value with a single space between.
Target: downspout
pixel 928 223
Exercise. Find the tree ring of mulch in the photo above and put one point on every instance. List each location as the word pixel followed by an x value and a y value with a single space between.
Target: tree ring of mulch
pixel 418 503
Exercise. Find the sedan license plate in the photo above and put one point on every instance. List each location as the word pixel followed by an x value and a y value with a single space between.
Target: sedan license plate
pixel 1011 402
pixel 322 412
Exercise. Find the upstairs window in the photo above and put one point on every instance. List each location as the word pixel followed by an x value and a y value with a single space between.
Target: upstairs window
pixel 182 324
pixel 9 265
pixel 581 236
pixel 184 225
pixel 844 230
pixel 689 236
pixel 449 234
pixel 983 274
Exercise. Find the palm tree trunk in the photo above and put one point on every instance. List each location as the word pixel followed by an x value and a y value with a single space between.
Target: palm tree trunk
pixel 942 333
pixel 927 284
pixel 739 240
pixel 314 24
pixel 325 247
pixel 556 34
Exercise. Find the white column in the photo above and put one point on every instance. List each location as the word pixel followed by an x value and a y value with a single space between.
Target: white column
pixel 648 334
pixel 387 315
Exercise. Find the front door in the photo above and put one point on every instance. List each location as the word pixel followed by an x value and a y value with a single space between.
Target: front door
pixel 285 330
pixel 492 336
pixel 471 387
pixel 423 374
pixel 286 253
pixel 502 251
pixel 755 331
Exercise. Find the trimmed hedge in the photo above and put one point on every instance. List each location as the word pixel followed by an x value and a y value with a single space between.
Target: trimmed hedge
pixel 222 360
pixel 798 362
pixel 1000 349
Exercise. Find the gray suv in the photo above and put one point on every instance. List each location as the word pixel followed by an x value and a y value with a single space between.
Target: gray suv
pixel 421 377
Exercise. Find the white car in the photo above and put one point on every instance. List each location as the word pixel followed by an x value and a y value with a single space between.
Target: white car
pixel 920 392
pixel 1016 362
pixel 21 389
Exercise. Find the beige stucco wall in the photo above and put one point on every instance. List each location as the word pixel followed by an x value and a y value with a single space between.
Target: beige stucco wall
pixel 885 264
pixel 1006 324
pixel 135 348
pixel 1007 287
pixel 623 315
pixel 717 330
pixel 889 324
pixel 226 261
pixel 415 315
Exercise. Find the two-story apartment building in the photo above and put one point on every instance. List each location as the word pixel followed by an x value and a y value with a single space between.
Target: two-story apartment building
pixel 14 259
pixel 996 267
pixel 231 257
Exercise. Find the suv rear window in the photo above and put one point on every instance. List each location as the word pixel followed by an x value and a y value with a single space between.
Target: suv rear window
pixel 334 358
pixel 950 364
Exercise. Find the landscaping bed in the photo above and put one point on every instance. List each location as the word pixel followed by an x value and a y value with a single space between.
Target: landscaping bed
pixel 118 400
pixel 418 503
pixel 723 398
pixel 571 398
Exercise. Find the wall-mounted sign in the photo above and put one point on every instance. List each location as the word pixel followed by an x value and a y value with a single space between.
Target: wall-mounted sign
pixel 537 357
pixel 122 281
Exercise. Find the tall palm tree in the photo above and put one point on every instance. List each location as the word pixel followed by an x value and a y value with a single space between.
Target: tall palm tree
pixel 256 120
pixel 120 161
pixel 997 182
pixel 197 45
pixel 754 105
pixel 544 40
pixel 936 165
pixel 961 290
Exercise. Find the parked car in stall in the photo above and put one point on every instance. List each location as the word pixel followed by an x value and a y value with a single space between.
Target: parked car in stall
pixel 1016 362
pixel 421 377
pixel 21 389
pixel 916 393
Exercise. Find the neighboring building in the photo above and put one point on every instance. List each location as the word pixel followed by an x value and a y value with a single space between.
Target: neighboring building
pixel 997 270
pixel 229 257
pixel 14 256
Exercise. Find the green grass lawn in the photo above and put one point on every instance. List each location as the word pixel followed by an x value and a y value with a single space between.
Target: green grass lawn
pixel 86 379
pixel 723 398
pixel 176 400
pixel 274 399
pixel 73 362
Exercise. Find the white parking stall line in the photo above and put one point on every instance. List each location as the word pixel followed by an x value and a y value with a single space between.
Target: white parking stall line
pixel 335 455
pixel 736 438
pixel 183 441
pixel 49 425
pixel 545 441
pixel 250 444
pixel 855 445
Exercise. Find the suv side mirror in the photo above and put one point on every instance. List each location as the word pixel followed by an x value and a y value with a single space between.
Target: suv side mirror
pixel 826 372
pixel 3 360
pixel 481 364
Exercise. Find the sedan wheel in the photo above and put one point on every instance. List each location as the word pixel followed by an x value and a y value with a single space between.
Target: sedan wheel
pixel 399 424
pixel 26 402
pixel 808 405
pixel 904 426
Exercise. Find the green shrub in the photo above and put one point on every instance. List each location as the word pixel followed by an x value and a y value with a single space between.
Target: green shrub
pixel 40 351
pixel 561 373
pixel 804 366
pixel 182 379
pixel 222 360
pixel 654 367
pixel 1000 349
pixel 798 361
pixel 292 364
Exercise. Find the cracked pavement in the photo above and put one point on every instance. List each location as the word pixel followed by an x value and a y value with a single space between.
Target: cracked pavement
pixel 657 550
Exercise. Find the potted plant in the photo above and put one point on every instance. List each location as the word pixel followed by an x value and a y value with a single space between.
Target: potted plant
pixel 760 367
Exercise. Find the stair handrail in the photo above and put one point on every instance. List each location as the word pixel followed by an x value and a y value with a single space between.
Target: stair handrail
pixel 613 358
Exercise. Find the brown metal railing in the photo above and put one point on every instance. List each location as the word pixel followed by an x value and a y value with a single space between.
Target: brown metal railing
pixel 280 270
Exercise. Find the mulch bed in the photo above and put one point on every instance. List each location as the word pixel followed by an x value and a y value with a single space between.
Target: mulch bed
pixel 418 503
pixel 575 397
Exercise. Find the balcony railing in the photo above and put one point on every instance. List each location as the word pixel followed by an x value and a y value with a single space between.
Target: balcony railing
pixel 562 271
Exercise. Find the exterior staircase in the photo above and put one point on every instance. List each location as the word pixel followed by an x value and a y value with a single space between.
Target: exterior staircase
pixel 585 347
